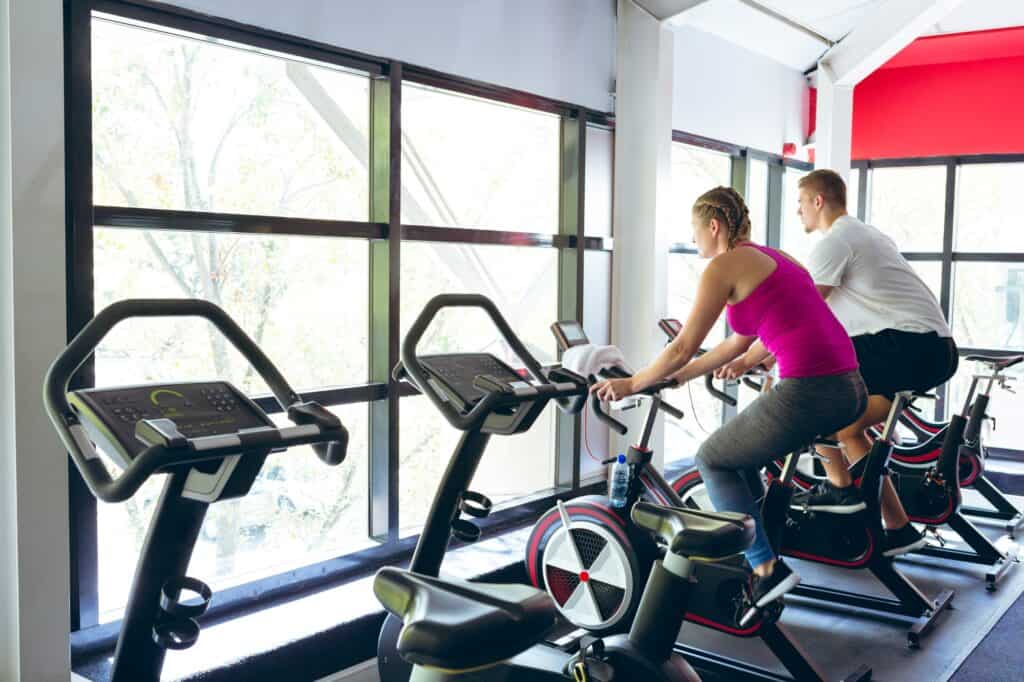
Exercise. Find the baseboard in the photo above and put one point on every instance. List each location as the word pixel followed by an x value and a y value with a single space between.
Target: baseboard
pixel 364 672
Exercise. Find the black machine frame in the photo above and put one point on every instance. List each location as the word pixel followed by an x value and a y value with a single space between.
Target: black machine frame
pixel 384 233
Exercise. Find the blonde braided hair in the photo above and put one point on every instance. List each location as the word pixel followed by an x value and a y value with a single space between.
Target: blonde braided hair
pixel 725 204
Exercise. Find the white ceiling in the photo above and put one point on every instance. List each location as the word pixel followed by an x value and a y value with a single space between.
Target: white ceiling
pixel 743 25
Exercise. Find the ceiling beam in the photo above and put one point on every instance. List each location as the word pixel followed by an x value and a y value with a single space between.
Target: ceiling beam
pixel 892 25
pixel 792 23
pixel 666 10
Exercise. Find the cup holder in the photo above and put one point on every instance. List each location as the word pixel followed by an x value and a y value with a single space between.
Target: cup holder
pixel 176 627
pixel 475 504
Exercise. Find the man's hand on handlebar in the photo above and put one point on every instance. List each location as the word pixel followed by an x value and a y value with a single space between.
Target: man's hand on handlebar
pixel 613 389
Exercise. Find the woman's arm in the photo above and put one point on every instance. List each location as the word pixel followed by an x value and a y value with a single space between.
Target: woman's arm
pixel 712 295
pixel 732 347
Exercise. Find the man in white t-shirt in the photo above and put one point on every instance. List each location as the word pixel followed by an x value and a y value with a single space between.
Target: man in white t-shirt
pixel 900 335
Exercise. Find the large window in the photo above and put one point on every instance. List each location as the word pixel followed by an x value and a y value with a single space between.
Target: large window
pixel 796 241
pixel 181 122
pixel 908 204
pixel 694 171
pixel 523 284
pixel 983 273
pixel 471 162
pixel 757 199
pixel 241 174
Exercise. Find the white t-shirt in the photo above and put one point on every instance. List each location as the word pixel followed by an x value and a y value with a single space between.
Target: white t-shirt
pixel 875 286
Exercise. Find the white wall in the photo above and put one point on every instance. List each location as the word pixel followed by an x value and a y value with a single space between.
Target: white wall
pixel 563 49
pixel 642 187
pixel 728 93
pixel 8 530
pixel 33 482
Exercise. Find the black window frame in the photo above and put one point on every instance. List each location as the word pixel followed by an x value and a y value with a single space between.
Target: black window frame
pixel 384 232
pixel 948 256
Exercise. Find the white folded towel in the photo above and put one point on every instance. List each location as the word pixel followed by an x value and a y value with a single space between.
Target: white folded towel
pixel 591 359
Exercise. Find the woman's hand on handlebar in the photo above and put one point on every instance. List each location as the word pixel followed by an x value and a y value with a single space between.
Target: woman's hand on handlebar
pixel 734 369
pixel 613 389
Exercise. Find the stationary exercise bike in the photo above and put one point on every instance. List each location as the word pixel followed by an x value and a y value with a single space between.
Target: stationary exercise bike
pixel 207 436
pixel 973 453
pixel 594 561
pixel 927 476
pixel 443 630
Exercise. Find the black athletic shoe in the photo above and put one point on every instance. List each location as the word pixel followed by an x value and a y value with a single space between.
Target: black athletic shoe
pixel 903 540
pixel 765 590
pixel 825 497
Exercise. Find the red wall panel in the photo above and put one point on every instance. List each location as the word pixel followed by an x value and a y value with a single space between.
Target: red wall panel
pixel 949 108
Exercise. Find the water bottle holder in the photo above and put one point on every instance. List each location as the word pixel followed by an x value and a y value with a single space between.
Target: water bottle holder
pixel 475 504
pixel 177 634
pixel 466 531
pixel 176 626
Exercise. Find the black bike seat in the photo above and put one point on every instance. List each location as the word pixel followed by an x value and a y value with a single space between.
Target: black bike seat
pixel 694 533
pixel 995 361
pixel 458 625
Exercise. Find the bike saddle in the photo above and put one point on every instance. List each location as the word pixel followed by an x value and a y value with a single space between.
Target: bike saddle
pixel 696 534
pixel 459 625
pixel 999 362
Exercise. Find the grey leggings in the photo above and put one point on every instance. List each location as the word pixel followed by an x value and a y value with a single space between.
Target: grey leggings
pixel 786 418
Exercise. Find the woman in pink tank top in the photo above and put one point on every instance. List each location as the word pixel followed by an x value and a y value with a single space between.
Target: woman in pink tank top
pixel 767 296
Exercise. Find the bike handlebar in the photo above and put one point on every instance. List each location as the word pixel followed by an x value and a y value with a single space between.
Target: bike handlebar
pixel 329 438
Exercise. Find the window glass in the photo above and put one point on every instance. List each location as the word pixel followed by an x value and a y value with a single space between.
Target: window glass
pixel 694 171
pixel 988 211
pixel 597 324
pixel 852 188
pixel 598 185
pixel 469 162
pixel 909 205
pixel 1005 407
pixel 931 273
pixel 298 512
pixel 278 290
pixel 987 300
pixel 192 124
pixel 304 300
pixel 796 241
pixel 703 412
pixel 522 282
pixel 757 200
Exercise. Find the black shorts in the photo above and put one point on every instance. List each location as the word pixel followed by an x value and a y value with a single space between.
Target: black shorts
pixel 892 361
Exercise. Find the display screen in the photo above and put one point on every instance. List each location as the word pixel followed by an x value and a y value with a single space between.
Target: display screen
pixel 569 334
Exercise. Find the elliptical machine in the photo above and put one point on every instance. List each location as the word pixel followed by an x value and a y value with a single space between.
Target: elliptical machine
pixel 440 630
pixel 207 436
pixel 594 562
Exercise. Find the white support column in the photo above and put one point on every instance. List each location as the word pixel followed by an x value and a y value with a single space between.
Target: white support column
pixel 833 131
pixel 34 563
pixel 643 142
pixel 888 29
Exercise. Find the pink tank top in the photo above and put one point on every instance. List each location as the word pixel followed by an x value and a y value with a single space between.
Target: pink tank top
pixel 793 321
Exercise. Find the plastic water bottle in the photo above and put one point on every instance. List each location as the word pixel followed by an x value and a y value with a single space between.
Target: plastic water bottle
pixel 618 482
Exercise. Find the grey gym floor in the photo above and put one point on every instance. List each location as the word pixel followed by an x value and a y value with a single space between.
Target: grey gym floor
pixel 839 641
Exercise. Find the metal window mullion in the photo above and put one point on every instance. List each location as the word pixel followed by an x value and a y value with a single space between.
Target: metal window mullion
pixel 84 540
pixel 385 206
pixel 774 225
pixel 740 180
pixel 946 291
pixel 862 194
pixel 572 166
